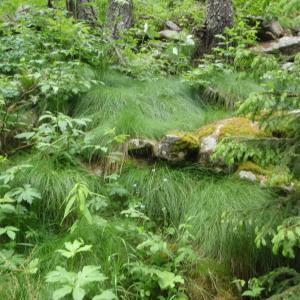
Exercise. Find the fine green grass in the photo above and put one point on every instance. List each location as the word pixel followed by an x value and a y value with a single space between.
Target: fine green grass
pixel 174 197
pixel 113 246
pixel 228 88
pixel 147 109
pixel 54 181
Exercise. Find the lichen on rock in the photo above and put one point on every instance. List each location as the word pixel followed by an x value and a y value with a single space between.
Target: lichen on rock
pixel 237 126
pixel 177 147
pixel 256 169
pixel 211 135
pixel 199 145
pixel 272 176
pixel 241 127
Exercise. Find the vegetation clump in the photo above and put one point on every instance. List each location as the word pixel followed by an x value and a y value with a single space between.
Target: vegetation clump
pixel 83 83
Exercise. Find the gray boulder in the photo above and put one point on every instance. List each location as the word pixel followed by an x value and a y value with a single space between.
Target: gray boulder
pixel 296 31
pixel 170 35
pixel 266 30
pixel 141 148
pixel 177 148
pixel 274 28
pixel 247 175
pixel 288 45
pixel 172 26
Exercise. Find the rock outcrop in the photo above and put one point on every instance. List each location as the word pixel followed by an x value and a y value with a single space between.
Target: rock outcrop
pixel 267 30
pixel 172 26
pixel 197 146
pixel 168 34
pixel 140 148
pixel 287 45
pixel 271 176
pixel 271 30
pixel 177 148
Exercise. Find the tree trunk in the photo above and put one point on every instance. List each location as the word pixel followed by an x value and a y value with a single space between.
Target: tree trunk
pixel 82 9
pixel 119 16
pixel 219 15
pixel 50 4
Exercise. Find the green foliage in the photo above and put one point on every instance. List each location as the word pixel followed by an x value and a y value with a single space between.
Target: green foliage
pixel 154 60
pixel 142 54
pixel 72 283
pixel 157 232
pixel 284 239
pixel 278 283
pixel 233 151
pixel 47 61
pixel 285 11
pixel 24 194
pixel 221 86
pixel 187 13
pixel 171 197
pixel 276 108
pixel 53 180
pixel 222 75
pixel 78 200
pixel 13 203
pixel 73 248
pixel 59 136
pixel 142 108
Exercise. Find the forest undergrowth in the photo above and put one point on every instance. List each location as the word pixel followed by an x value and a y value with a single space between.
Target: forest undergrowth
pixel 81 219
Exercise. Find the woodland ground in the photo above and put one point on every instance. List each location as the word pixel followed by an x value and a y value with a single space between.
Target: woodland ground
pixel 82 220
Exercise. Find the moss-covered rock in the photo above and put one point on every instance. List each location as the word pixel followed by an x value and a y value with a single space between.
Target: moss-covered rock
pixel 241 127
pixel 141 148
pixel 177 148
pixel 237 126
pixel 185 142
pixel 256 169
pixel 198 145
pixel 272 176
pixel 209 136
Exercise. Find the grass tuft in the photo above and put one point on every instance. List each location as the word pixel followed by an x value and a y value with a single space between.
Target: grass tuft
pixel 229 88
pixel 148 109
pixel 54 181
pixel 174 197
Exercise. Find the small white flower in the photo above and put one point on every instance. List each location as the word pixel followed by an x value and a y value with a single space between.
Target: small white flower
pixel 134 185
pixel 165 179
pixel 153 170
pixel 175 51
pixel 146 27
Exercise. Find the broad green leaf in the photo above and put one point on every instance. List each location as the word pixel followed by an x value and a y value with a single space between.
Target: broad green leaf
pixel 11 234
pixel 106 295
pixel 25 193
pixel 73 248
pixel 32 267
pixel 69 206
pixel 167 279
pixel 62 292
pixel 78 293
pixel 25 135
pixel 90 274
pixel 61 275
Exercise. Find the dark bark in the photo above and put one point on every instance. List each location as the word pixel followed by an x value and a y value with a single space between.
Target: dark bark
pixel 50 4
pixel 82 10
pixel 119 16
pixel 219 15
